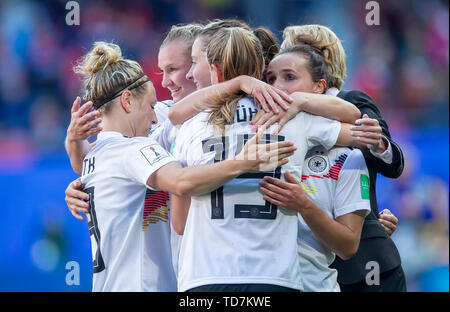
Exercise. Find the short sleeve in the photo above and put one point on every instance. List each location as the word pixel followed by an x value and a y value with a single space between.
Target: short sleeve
pixel 321 131
pixel 143 158
pixel 188 146
pixel 352 188
pixel 162 112
pixel 178 149
pixel 165 134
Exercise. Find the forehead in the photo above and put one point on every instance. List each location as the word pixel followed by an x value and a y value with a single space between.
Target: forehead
pixel 173 53
pixel 197 46
pixel 293 61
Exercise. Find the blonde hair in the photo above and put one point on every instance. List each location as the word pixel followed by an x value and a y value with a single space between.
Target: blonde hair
pixel 105 72
pixel 185 33
pixel 334 55
pixel 235 51
pixel 265 36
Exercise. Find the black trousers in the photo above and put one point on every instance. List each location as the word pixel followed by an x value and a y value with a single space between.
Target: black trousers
pixel 390 281
pixel 241 288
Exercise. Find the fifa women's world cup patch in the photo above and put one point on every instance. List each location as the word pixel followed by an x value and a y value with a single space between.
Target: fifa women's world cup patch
pixel 154 153
pixel 365 183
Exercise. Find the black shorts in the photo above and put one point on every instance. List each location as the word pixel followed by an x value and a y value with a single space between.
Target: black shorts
pixel 241 288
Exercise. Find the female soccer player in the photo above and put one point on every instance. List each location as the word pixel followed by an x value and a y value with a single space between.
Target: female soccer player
pixel 233 239
pixel 174 62
pixel 375 245
pixel 125 163
pixel 335 181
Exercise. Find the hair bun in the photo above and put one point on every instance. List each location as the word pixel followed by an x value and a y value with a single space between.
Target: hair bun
pixel 102 55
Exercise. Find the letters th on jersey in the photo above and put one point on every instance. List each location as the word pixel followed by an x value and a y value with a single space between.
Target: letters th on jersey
pixel 88 165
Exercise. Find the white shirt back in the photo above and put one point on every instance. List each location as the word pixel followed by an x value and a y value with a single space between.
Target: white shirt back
pixel 337 181
pixel 130 235
pixel 233 235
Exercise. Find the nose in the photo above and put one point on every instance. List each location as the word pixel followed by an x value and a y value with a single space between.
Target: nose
pixel 166 82
pixel 189 75
pixel 154 117
pixel 278 85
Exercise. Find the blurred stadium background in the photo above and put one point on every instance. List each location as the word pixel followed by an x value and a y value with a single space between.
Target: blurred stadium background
pixel 403 64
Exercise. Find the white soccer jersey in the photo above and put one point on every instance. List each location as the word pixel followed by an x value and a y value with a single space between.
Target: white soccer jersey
pixel 233 235
pixel 164 132
pixel 130 234
pixel 337 180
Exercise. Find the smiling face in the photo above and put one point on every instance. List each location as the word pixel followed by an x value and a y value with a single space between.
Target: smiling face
pixel 289 72
pixel 199 71
pixel 174 62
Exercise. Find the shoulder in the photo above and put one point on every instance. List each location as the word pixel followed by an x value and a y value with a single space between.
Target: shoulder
pixel 167 103
pixel 353 159
pixel 198 121
pixel 358 98
pixel 246 101
pixel 137 143
pixel 162 106
pixel 193 127
pixel 354 94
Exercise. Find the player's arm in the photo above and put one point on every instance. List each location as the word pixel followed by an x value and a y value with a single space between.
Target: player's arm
pixel 341 236
pixel 331 107
pixel 197 180
pixel 268 97
pixel 328 106
pixel 179 212
pixel 82 126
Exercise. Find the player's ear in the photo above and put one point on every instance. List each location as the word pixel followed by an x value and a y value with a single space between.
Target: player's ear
pixel 125 101
pixel 320 86
pixel 216 74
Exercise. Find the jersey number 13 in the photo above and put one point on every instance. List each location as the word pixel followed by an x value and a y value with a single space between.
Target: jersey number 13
pixel 252 211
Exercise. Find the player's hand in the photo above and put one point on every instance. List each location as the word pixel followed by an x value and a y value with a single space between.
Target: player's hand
pixel 83 124
pixel 388 221
pixel 74 199
pixel 288 194
pixel 266 96
pixel 268 119
pixel 258 157
pixel 368 132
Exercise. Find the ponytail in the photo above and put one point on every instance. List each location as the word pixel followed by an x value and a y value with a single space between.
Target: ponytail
pixel 235 51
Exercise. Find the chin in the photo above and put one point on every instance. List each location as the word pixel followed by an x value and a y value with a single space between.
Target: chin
pixel 176 98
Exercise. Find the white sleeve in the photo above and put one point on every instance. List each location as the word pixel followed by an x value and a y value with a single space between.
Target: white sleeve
pixel 179 150
pixel 321 131
pixel 352 189
pixel 165 134
pixel 161 111
pixel 143 158
pixel 188 146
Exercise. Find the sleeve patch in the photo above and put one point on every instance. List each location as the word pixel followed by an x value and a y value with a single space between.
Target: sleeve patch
pixel 365 194
pixel 153 153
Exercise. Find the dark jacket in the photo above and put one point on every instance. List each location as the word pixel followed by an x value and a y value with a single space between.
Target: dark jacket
pixel 375 245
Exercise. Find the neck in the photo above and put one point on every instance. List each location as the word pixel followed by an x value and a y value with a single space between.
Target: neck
pixel 124 128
